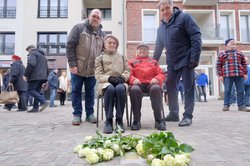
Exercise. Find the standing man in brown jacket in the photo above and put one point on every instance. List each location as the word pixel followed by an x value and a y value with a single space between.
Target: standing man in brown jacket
pixel 84 44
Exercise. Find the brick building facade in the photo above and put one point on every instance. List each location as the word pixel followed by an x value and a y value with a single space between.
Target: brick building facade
pixel 217 19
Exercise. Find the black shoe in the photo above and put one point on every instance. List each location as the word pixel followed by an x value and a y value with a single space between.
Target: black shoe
pixel 136 125
pixel 44 106
pixel 172 118
pixel 160 125
pixel 108 128
pixel 33 110
pixel 185 122
pixel 119 124
pixel 9 109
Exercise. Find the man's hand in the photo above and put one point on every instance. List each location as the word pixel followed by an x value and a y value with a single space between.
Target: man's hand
pixel 24 78
pixel 221 79
pixel 154 81
pixel 136 81
pixel 73 70
pixel 193 65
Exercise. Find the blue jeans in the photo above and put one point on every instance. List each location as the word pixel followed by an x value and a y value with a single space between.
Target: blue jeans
pixel 233 95
pixel 34 88
pixel 247 94
pixel 239 84
pixel 52 97
pixel 76 96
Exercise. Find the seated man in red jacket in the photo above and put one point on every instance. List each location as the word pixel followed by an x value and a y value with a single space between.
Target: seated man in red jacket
pixel 146 77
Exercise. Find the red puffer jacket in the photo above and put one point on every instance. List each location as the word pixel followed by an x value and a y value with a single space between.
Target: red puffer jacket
pixel 145 69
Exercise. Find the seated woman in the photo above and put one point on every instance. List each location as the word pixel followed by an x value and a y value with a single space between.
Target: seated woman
pixel 112 73
pixel 146 77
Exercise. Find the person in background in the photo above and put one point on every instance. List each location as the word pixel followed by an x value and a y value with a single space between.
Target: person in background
pixel 112 73
pixel 85 43
pixel 53 83
pixel 36 74
pixel 247 84
pixel 232 68
pixel 146 77
pixel 202 82
pixel 63 87
pixel 16 79
pixel 180 35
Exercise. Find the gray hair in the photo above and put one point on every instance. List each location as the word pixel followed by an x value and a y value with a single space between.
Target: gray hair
pixel 169 2
pixel 91 12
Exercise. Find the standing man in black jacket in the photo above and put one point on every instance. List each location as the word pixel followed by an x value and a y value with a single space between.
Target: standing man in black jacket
pixel 180 35
pixel 36 74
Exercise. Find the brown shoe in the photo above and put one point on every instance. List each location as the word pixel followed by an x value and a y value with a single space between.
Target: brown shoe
pixel 225 108
pixel 244 109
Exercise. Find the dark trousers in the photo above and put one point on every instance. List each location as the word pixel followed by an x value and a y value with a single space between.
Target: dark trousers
pixel 22 104
pixel 136 95
pixel 62 97
pixel 34 88
pixel 173 78
pixel 202 91
pixel 115 95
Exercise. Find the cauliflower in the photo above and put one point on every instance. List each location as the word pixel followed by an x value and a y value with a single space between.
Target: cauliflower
pixel 92 158
pixel 77 148
pixel 108 154
pixel 157 162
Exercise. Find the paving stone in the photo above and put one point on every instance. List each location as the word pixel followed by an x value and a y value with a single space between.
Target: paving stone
pixel 48 138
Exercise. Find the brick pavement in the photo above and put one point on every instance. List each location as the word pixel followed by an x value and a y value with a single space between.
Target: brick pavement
pixel 48 138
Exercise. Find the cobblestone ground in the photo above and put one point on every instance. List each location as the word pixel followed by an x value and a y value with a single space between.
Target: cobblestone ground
pixel 48 138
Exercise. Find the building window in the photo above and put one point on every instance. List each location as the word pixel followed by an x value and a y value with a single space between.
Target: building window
pixel 106 12
pixel 53 9
pixel 7 43
pixel 226 31
pixel 149 26
pixel 52 43
pixel 245 28
pixel 7 8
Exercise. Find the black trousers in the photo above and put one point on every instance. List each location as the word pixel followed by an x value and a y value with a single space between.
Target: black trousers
pixel 202 91
pixel 115 95
pixel 22 104
pixel 136 94
pixel 62 97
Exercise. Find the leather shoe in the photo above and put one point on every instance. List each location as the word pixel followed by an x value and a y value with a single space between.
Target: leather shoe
pixel 172 118
pixel 185 122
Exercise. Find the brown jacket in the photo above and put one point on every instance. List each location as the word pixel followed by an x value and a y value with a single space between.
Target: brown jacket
pixel 83 46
